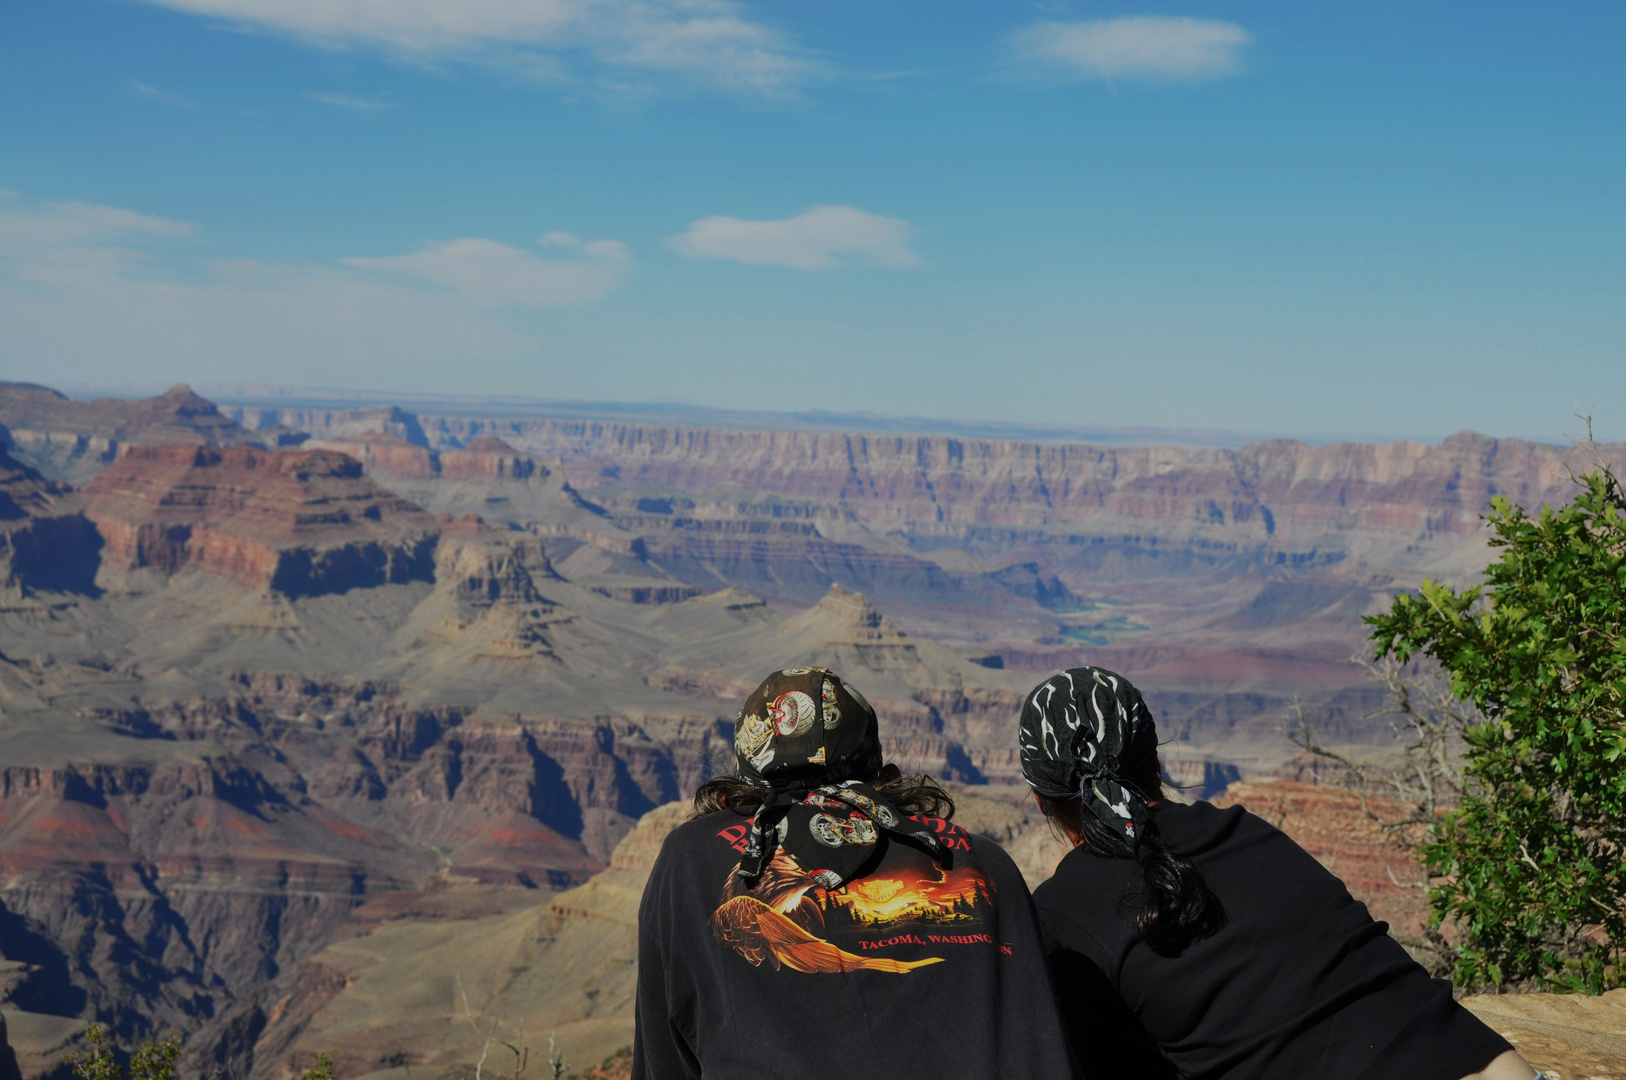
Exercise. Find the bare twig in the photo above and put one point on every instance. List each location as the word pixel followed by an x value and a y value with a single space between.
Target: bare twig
pixel 1428 722
pixel 1405 798
pixel 556 1058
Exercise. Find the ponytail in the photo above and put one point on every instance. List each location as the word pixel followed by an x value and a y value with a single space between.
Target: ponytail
pixel 1176 905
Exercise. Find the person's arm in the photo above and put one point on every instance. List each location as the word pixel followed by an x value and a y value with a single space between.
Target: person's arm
pixel 1107 1037
pixel 659 1050
pixel 1507 1066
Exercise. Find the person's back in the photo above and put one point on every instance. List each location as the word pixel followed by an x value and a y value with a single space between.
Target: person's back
pixel 1297 980
pixel 821 924
pixel 1202 941
pixel 915 969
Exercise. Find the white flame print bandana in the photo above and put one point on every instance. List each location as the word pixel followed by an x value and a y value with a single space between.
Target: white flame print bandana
pixel 1079 733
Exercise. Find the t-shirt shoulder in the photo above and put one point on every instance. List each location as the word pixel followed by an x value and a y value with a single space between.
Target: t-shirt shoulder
pixel 1190 828
pixel 993 858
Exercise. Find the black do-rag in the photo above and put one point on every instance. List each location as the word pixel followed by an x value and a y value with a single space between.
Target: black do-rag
pixel 1081 732
pixel 813 742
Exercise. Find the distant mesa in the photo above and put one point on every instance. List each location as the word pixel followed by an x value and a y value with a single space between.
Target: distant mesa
pixel 390 456
pixel 70 440
pixel 299 523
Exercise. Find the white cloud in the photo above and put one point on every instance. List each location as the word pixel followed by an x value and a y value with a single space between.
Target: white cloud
pixel 351 102
pixel 62 223
pixel 91 292
pixel 809 241
pixel 706 41
pixel 606 249
pixel 484 273
pixel 1141 46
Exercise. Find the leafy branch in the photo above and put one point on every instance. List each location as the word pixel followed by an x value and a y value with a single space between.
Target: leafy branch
pixel 1530 861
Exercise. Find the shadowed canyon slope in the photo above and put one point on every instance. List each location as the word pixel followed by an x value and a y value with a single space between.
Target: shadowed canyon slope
pixel 280 694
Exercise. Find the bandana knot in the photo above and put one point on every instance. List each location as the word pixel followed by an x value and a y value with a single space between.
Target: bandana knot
pixel 829 831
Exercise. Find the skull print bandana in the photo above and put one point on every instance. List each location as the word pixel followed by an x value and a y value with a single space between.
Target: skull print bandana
pixel 832 831
pixel 1080 732
pixel 813 742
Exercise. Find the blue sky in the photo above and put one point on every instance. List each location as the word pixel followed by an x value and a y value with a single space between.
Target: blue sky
pixel 1383 219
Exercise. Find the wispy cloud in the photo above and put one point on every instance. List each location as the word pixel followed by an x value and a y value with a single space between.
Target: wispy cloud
pixel 710 42
pixel 356 103
pixel 153 93
pixel 53 226
pixel 487 274
pixel 822 237
pixel 1140 46
pixel 105 289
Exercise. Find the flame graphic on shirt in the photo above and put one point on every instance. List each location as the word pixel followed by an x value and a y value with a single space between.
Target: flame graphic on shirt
pixel 786 918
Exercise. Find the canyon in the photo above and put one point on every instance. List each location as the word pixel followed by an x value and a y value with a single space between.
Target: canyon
pixel 313 716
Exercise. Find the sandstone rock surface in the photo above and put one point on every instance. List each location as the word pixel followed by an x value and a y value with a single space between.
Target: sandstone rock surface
pixel 1566 1036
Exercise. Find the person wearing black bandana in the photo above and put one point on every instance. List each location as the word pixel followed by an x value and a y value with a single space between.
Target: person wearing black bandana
pixel 820 914
pixel 1214 947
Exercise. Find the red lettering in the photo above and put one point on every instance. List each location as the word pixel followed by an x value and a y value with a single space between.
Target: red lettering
pixel 735 835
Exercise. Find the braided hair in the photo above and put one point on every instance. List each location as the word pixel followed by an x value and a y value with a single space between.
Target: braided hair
pixel 1089 752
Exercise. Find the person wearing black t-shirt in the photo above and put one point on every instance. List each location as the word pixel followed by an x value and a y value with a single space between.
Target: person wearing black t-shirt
pixel 1211 945
pixel 821 916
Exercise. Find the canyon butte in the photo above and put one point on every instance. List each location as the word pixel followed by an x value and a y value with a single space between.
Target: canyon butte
pixel 329 730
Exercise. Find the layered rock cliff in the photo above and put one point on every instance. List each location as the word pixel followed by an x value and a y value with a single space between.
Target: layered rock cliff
pixel 293 522
pixel 1281 492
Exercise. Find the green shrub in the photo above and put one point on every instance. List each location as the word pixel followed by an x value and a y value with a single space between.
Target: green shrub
pixel 1531 865
pixel 151 1060
pixel 322 1070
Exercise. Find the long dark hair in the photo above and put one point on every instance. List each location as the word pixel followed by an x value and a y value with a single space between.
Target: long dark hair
pixel 911 794
pixel 1176 905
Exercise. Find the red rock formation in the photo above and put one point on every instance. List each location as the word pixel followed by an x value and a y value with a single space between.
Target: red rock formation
pixel 178 416
pixel 383 455
pixel 387 455
pixel 295 522
pixel 486 459
pixel 71 439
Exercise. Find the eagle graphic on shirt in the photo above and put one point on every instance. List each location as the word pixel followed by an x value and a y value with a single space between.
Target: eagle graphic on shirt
pixel 788 919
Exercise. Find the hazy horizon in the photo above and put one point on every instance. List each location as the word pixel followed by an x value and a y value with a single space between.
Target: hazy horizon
pixel 699 414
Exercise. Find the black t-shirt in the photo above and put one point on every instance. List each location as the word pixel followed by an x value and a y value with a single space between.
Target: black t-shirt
pixel 917 968
pixel 1298 982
